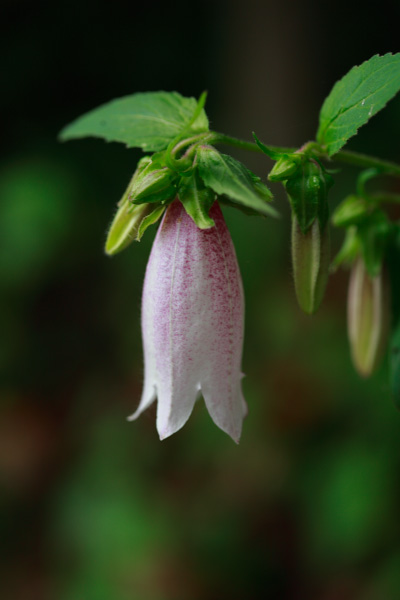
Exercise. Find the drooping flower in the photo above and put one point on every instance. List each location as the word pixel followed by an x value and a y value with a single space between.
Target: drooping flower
pixel 192 324
pixel 368 317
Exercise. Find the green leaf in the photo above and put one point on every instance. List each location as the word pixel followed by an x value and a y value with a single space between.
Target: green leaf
pixel 148 120
pixel 197 200
pixel 227 176
pixel 150 219
pixel 356 98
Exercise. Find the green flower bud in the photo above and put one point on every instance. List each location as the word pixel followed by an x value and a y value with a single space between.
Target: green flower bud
pixel 308 190
pixel 142 164
pixel 285 167
pixel 352 211
pixel 368 317
pixel 310 260
pixel 154 184
pixel 125 225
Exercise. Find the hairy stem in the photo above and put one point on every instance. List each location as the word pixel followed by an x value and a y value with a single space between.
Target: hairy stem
pixel 343 156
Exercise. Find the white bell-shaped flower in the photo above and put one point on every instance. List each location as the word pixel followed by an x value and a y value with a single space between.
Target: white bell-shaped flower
pixel 192 324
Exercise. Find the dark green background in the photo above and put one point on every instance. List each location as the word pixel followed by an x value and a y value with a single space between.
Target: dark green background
pixel 94 508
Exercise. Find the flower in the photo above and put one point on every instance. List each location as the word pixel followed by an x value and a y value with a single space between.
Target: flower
pixel 192 324
pixel 368 317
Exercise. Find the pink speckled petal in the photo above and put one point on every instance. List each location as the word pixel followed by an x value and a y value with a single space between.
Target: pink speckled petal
pixel 192 323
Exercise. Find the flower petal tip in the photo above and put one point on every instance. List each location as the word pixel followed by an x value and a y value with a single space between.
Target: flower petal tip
pixel 134 415
pixel 163 434
pixel 167 427
pixel 235 435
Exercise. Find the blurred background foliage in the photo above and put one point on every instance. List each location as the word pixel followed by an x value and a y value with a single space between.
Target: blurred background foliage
pixel 94 508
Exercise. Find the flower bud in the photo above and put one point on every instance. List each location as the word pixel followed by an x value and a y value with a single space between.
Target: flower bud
pixel 310 260
pixel 368 316
pixel 125 225
pixel 154 184
pixel 285 167
pixel 140 167
pixel 308 190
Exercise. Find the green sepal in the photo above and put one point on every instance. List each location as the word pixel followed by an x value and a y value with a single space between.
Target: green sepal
pixel 151 218
pixel 353 210
pixel 285 167
pixel 127 219
pixel 125 226
pixel 287 162
pixel 154 183
pixel 249 212
pixel 159 186
pixel 141 165
pixel 270 152
pixel 228 177
pixel 197 199
pixel 349 251
pixel 374 235
pixel 148 120
pixel 307 191
pixel 370 238
pixel 163 197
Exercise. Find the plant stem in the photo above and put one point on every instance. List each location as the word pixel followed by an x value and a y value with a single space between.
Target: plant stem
pixel 220 138
pixel 384 197
pixel 195 139
pixel 343 156
pixel 363 160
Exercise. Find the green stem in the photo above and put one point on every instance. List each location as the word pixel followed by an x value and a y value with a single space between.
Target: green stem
pixel 383 197
pixel 200 105
pixel 365 161
pixel 343 156
pixel 183 163
pixel 220 138
pixel 195 139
